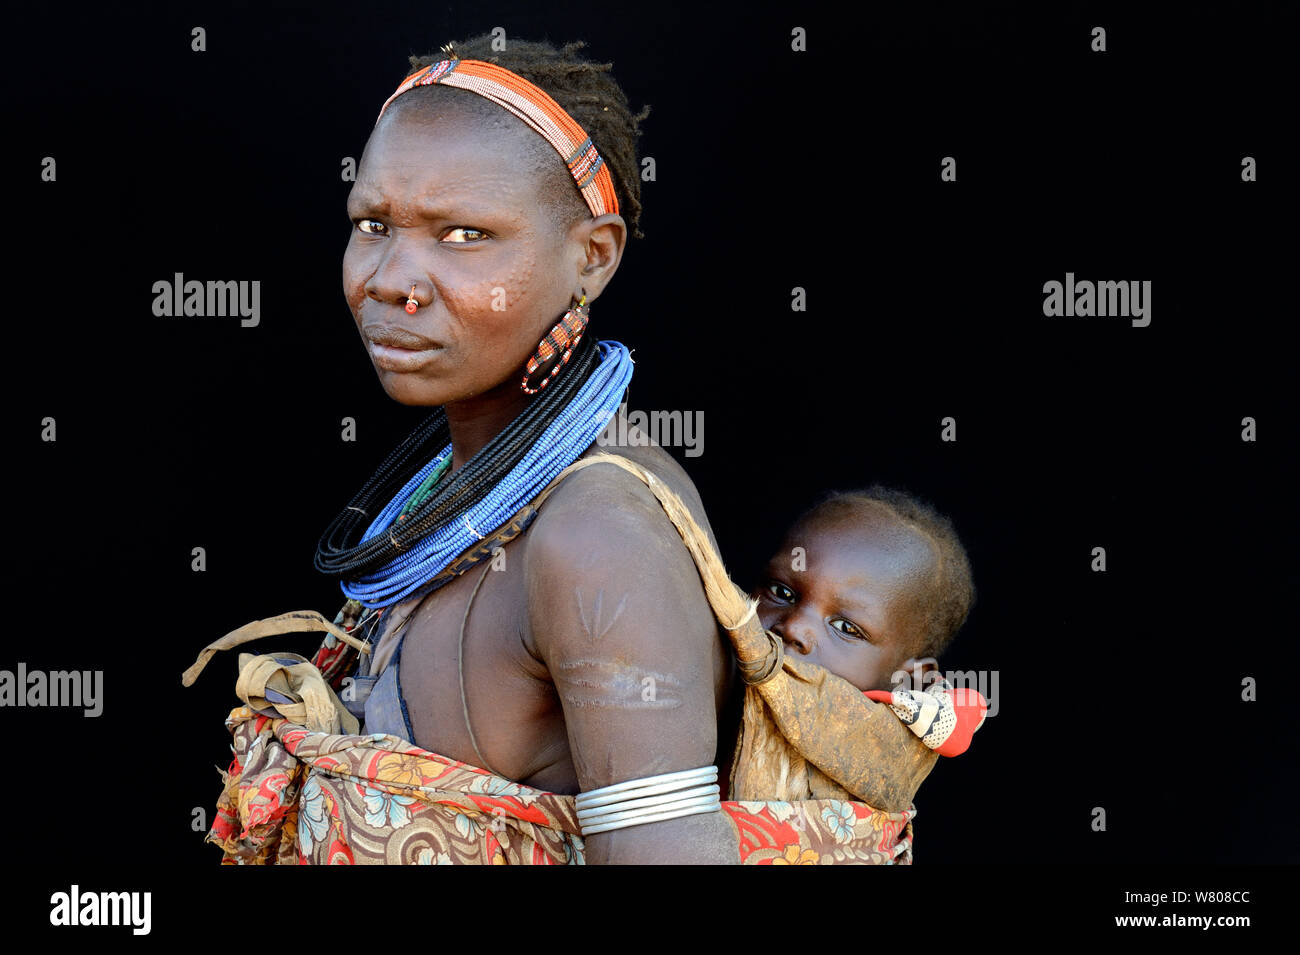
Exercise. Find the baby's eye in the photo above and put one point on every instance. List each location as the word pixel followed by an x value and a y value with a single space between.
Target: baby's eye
pixel 843 626
pixel 460 234
pixel 780 591
pixel 370 226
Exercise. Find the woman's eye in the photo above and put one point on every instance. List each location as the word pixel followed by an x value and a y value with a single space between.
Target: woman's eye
pixel 370 226
pixel 780 591
pixel 460 234
pixel 843 626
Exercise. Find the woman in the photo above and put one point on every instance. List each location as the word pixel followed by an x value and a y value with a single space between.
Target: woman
pixel 472 239
pixel 536 627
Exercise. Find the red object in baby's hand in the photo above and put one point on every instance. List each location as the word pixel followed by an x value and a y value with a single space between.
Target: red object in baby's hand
pixel 968 708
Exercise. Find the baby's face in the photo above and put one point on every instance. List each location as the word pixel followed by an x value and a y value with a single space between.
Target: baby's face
pixel 851 609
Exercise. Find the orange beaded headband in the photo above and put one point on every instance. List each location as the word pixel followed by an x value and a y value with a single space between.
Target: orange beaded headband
pixel 534 107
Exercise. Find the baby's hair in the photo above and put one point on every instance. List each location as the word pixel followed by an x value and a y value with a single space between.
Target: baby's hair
pixel 586 90
pixel 947 601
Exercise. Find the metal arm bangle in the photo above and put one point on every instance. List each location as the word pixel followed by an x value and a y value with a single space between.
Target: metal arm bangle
pixel 649 799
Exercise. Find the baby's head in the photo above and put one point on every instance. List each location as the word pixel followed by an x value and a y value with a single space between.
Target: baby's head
pixel 867 583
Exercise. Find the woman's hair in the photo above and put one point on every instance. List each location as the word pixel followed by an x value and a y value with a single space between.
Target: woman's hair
pixel 585 90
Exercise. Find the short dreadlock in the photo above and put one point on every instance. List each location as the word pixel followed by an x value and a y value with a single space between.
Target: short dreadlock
pixel 585 90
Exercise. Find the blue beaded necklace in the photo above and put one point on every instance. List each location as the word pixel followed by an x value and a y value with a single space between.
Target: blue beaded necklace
pixel 571 433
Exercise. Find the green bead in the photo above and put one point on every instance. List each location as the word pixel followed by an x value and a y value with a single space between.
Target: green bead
pixel 425 490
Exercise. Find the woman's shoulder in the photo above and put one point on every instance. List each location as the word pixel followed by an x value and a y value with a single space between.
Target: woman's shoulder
pixel 603 539
pixel 607 510
pixel 603 484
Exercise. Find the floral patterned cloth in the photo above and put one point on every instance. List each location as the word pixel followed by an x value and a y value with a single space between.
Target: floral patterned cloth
pixel 293 796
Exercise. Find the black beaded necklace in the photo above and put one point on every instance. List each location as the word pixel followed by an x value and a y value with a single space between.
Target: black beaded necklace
pixel 341 553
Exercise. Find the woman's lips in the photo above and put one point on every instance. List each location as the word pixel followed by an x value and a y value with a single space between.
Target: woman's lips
pixel 401 359
pixel 394 348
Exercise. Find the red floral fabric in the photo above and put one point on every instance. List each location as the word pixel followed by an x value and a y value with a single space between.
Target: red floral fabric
pixel 293 796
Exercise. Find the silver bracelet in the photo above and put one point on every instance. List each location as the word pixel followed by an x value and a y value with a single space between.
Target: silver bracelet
pixel 635 802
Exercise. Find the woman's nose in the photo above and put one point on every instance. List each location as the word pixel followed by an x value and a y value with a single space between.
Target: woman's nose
pixel 391 281
pixel 392 291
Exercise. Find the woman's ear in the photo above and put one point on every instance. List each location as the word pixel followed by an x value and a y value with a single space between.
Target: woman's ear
pixel 603 240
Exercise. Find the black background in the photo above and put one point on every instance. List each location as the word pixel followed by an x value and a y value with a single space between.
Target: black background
pixel 775 169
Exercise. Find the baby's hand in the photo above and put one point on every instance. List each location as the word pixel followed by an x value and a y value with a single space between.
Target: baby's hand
pixel 944 718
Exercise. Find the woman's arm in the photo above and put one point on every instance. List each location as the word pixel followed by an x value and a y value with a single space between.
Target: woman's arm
pixel 619 616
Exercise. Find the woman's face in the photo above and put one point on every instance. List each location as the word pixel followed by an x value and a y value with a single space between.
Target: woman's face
pixel 454 206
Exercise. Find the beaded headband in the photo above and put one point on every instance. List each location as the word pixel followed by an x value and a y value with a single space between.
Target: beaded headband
pixel 531 104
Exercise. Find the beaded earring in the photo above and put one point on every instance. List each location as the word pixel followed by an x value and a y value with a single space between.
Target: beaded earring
pixel 563 338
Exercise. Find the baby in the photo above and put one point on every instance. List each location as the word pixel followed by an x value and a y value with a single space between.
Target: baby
pixel 871 586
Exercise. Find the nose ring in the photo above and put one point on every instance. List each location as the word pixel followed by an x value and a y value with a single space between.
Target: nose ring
pixel 411 303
